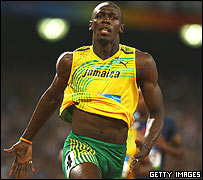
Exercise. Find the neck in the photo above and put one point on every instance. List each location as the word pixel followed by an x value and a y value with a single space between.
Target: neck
pixel 105 49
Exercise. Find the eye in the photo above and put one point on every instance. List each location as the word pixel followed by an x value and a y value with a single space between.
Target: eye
pixel 113 17
pixel 99 16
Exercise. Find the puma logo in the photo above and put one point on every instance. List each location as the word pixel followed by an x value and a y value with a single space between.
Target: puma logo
pixel 124 63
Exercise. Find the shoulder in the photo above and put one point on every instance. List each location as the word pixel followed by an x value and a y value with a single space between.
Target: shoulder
pixel 65 59
pixel 64 63
pixel 143 58
pixel 145 66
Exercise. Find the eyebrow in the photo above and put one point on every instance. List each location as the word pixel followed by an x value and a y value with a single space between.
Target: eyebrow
pixel 111 13
pixel 118 13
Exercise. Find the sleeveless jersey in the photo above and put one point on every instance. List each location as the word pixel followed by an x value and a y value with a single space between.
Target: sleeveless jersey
pixel 104 87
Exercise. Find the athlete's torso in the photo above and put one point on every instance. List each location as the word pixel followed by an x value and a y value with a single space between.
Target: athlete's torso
pixel 98 87
pixel 99 127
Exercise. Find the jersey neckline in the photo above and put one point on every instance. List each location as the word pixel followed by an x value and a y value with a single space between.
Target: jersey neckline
pixel 108 59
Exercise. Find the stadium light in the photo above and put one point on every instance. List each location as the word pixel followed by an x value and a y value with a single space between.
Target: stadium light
pixel 53 29
pixel 191 34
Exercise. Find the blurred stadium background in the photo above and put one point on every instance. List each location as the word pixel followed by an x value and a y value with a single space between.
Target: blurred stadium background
pixel 28 61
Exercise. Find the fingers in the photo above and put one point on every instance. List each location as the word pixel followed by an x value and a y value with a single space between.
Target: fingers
pixel 32 166
pixel 11 150
pixel 24 167
pixel 13 167
pixel 138 143
pixel 18 171
pixel 19 167
pixel 137 156
pixel 14 164
pixel 132 165
pixel 24 171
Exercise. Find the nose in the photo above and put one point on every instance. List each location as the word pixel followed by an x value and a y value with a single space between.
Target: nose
pixel 106 20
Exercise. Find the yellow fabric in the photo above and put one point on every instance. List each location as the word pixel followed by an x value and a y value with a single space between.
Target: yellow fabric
pixel 131 151
pixel 105 87
pixel 131 145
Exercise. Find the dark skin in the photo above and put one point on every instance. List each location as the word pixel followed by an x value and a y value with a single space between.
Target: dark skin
pixel 106 24
pixel 174 147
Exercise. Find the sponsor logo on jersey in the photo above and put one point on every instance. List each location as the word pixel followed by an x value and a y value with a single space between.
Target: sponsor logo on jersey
pixel 101 73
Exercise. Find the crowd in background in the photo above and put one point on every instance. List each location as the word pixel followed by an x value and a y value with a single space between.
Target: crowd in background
pixel 21 92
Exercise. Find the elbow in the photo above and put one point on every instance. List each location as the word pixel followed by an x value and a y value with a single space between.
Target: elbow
pixel 54 99
pixel 159 116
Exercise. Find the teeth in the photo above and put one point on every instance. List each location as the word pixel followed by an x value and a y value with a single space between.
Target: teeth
pixel 104 30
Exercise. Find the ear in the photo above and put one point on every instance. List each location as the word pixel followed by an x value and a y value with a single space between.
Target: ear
pixel 122 28
pixel 90 25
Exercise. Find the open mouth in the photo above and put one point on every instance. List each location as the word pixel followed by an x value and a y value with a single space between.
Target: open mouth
pixel 105 30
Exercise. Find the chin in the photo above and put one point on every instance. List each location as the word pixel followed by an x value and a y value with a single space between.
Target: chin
pixel 105 40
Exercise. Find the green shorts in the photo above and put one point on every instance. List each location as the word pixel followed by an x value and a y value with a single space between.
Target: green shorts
pixel 108 157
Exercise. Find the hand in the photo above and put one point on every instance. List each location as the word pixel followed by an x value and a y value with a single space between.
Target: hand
pixel 23 152
pixel 142 153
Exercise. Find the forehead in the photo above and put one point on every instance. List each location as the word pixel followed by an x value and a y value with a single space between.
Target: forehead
pixel 106 7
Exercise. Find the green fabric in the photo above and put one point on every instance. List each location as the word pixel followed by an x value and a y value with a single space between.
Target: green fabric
pixel 67 114
pixel 108 157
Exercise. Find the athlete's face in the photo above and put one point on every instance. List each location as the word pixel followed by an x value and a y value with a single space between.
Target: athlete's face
pixel 106 22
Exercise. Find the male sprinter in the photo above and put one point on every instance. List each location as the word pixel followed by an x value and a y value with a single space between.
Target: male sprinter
pixel 98 88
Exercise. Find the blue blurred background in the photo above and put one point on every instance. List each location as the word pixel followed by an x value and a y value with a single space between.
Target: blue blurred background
pixel 28 67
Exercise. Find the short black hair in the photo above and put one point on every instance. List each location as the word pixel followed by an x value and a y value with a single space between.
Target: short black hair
pixel 112 4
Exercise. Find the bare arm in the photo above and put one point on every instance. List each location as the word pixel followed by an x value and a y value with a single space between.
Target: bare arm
pixel 46 106
pixel 51 99
pixel 147 78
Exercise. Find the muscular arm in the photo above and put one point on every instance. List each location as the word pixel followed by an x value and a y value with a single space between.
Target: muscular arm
pixel 52 97
pixel 147 77
pixel 46 106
